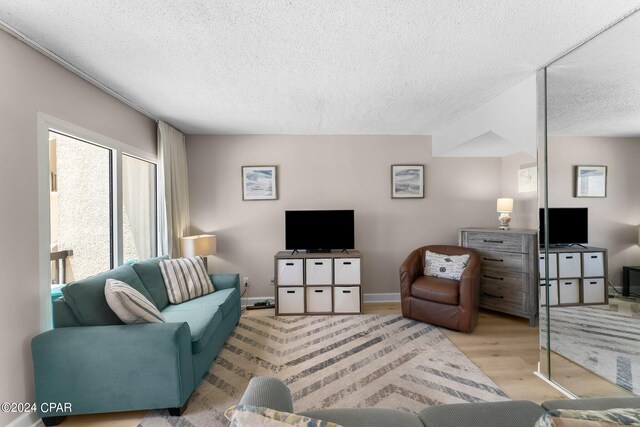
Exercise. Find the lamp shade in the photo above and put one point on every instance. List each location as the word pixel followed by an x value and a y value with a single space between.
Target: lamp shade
pixel 505 205
pixel 202 245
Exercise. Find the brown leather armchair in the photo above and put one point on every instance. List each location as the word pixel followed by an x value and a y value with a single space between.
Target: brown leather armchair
pixel 443 302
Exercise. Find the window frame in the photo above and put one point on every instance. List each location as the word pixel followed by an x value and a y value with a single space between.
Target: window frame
pixel 46 123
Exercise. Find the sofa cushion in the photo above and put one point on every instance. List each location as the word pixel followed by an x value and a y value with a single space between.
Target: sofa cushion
pixel 226 299
pixel 86 297
pixel 130 305
pixel 445 291
pixel 202 320
pixel 366 417
pixel 584 418
pixel 149 273
pixel 251 416
pixel 445 266
pixel 185 279
pixel 514 413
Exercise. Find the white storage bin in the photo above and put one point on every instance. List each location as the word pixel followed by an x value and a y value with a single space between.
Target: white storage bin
pixel 569 291
pixel 318 271
pixel 290 272
pixel 593 291
pixel 593 264
pixel 318 299
pixel 569 264
pixel 346 299
pixel 553 293
pixel 553 266
pixel 346 271
pixel 291 300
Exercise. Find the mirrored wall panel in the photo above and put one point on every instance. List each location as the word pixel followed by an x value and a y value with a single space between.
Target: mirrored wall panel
pixel 590 217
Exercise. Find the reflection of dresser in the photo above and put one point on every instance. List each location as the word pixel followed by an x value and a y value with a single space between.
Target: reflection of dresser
pixel 509 276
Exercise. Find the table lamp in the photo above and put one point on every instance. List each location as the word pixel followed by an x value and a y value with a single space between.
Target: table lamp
pixel 200 245
pixel 504 206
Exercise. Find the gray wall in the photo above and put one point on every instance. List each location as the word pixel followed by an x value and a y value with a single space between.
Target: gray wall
pixel 613 220
pixel 30 83
pixel 334 172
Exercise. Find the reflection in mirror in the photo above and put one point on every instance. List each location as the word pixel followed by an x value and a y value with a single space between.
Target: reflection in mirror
pixel 593 158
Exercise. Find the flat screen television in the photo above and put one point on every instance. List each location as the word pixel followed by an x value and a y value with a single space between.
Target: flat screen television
pixel 567 226
pixel 319 230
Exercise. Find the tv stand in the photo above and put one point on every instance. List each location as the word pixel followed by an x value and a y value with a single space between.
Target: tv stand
pixel 318 283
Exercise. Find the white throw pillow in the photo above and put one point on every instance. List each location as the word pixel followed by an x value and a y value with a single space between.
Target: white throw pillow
pixel 130 305
pixel 445 266
pixel 185 279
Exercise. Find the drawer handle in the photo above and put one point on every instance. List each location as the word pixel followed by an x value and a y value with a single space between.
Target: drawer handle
pixel 594 256
pixel 346 292
pixel 493 241
pixel 346 263
pixel 318 291
pixel 291 292
pixel 493 277
pixel 289 263
pixel 568 283
pixel 493 259
pixel 593 283
pixel 569 257
pixel 493 296
pixel 318 263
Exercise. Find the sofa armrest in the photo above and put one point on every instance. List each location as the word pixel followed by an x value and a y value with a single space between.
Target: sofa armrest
pixel 225 281
pixel 409 272
pixel 268 392
pixel 113 368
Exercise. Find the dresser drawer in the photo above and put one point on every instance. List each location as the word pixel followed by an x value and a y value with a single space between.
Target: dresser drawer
pixel 496 241
pixel 507 279
pixel 504 261
pixel 504 299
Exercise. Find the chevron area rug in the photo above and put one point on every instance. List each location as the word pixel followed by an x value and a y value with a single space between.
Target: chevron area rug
pixel 600 340
pixel 337 362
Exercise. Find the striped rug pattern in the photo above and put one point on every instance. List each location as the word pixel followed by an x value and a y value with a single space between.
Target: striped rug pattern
pixel 338 362
pixel 603 341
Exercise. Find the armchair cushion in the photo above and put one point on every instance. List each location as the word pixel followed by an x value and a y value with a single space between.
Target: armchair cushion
pixel 445 291
pixel 445 266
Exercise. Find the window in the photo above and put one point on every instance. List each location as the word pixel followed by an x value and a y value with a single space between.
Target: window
pixel 81 207
pixel 102 207
pixel 139 219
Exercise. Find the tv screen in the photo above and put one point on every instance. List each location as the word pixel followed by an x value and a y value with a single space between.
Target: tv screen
pixel 567 226
pixel 321 230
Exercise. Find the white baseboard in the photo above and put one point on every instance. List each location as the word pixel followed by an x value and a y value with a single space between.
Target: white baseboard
pixel 388 297
pixel 29 419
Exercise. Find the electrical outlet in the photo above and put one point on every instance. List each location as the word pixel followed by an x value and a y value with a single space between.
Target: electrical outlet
pixel 272 280
pixel 246 282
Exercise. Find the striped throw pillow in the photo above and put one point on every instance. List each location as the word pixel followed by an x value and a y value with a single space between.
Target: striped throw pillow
pixel 185 279
pixel 130 305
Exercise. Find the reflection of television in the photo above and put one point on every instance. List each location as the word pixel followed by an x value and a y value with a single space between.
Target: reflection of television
pixel 567 226
pixel 317 231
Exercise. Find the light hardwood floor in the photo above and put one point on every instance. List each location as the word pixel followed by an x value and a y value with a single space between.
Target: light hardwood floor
pixel 504 347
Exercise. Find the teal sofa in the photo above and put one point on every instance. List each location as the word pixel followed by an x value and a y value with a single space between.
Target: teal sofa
pixel 95 363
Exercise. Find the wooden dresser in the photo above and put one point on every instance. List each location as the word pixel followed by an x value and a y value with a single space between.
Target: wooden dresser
pixel 509 277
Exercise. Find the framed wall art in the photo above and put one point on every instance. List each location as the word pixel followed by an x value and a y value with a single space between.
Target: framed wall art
pixel 259 183
pixel 407 181
pixel 591 181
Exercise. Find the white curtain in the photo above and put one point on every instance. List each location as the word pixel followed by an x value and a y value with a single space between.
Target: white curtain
pixel 173 189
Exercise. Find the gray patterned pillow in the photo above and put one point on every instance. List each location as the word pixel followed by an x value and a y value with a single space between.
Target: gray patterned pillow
pixel 582 418
pixel 185 279
pixel 445 266
pixel 130 305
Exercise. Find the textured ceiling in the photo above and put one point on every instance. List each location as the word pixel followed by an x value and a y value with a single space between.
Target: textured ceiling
pixel 310 67
pixel 595 90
